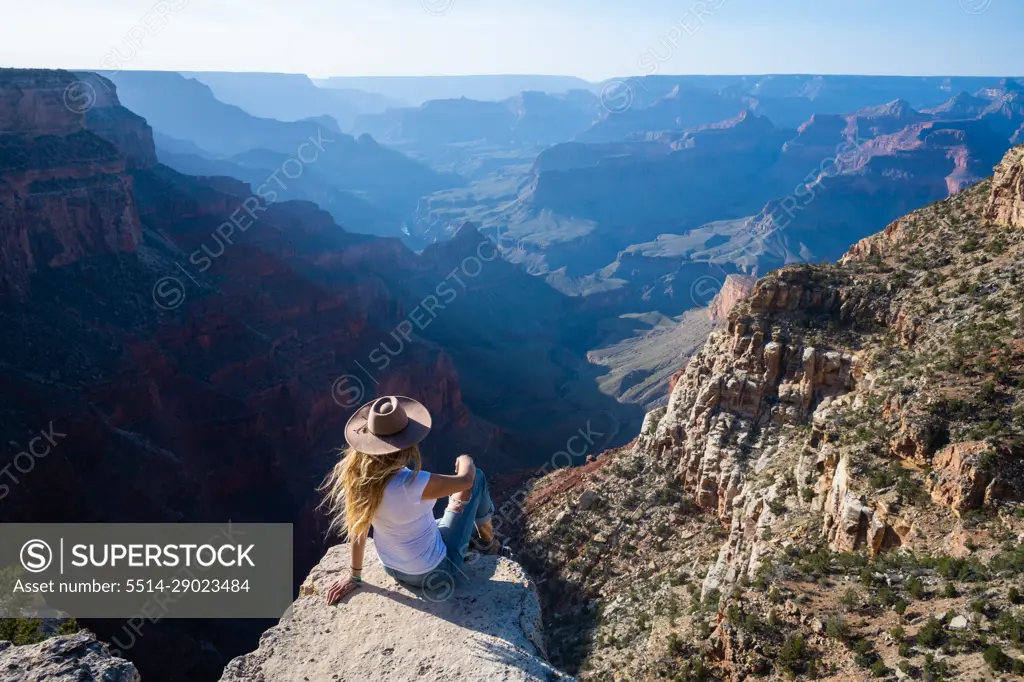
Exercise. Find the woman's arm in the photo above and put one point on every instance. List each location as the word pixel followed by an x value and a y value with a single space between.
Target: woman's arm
pixel 444 485
pixel 356 560
pixel 342 587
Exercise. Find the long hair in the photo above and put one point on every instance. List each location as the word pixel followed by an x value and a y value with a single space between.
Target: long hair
pixel 355 487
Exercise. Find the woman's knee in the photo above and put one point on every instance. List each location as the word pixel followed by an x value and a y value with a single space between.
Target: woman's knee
pixel 480 482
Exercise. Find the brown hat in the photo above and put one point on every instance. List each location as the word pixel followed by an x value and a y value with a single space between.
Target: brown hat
pixel 386 425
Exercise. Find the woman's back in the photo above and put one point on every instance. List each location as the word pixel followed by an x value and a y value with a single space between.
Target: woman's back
pixel 404 530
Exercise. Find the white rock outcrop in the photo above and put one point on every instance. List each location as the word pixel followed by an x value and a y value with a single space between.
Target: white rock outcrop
pixel 487 628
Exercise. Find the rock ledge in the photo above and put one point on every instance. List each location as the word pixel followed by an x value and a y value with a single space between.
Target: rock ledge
pixel 487 628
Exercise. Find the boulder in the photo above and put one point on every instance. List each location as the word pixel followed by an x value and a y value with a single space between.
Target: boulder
pixel 482 625
pixel 77 657
pixel 958 623
pixel 588 499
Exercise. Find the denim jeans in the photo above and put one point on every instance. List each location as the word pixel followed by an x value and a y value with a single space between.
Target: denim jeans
pixel 457 528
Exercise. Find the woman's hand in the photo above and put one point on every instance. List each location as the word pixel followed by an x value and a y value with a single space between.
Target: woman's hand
pixel 341 588
pixel 463 464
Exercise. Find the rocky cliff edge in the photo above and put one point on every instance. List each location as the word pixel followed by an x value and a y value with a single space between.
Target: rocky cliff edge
pixel 76 657
pixel 484 625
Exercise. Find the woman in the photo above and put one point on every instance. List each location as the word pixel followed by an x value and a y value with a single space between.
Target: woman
pixel 379 483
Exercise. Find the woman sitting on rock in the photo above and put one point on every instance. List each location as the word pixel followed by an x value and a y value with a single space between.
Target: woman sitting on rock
pixel 378 483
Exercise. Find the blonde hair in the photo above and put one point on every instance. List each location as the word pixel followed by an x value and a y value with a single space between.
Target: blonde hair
pixel 355 487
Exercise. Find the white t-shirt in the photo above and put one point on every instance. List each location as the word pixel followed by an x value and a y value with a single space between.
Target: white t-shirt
pixel 404 530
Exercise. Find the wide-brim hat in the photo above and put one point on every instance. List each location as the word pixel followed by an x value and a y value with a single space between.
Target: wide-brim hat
pixel 386 425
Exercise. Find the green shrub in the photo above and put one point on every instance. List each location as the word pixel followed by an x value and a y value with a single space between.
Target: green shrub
pixel 1009 628
pixel 675 645
pixel 836 628
pixel 996 659
pixel 885 596
pixel 933 670
pixel 793 653
pixel 931 634
pixel 21 631
pixel 711 599
pixel 914 587
pixel 69 627
pixel 864 655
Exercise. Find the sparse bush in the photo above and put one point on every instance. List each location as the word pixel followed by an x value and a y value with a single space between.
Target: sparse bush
pixel 836 628
pixel 885 596
pixel 21 631
pixel 792 655
pixel 711 599
pixel 675 645
pixel 1009 627
pixel 996 659
pixel 864 655
pixel 931 634
pixel 933 670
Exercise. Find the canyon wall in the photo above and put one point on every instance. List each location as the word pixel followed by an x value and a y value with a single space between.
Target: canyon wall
pixel 862 421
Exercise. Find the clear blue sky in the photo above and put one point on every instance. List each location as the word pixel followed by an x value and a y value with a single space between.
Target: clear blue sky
pixel 594 39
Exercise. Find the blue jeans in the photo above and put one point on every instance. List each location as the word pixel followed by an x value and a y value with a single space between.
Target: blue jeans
pixel 457 528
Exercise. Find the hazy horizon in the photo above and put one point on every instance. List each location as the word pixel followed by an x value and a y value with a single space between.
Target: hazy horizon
pixel 524 74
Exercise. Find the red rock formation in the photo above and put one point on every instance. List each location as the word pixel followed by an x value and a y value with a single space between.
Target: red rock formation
pixel 65 192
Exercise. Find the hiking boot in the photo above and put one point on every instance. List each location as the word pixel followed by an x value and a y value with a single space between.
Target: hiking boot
pixel 484 540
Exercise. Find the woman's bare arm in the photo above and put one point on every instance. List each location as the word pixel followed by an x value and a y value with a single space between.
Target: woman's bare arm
pixel 342 587
pixel 444 485
pixel 358 550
